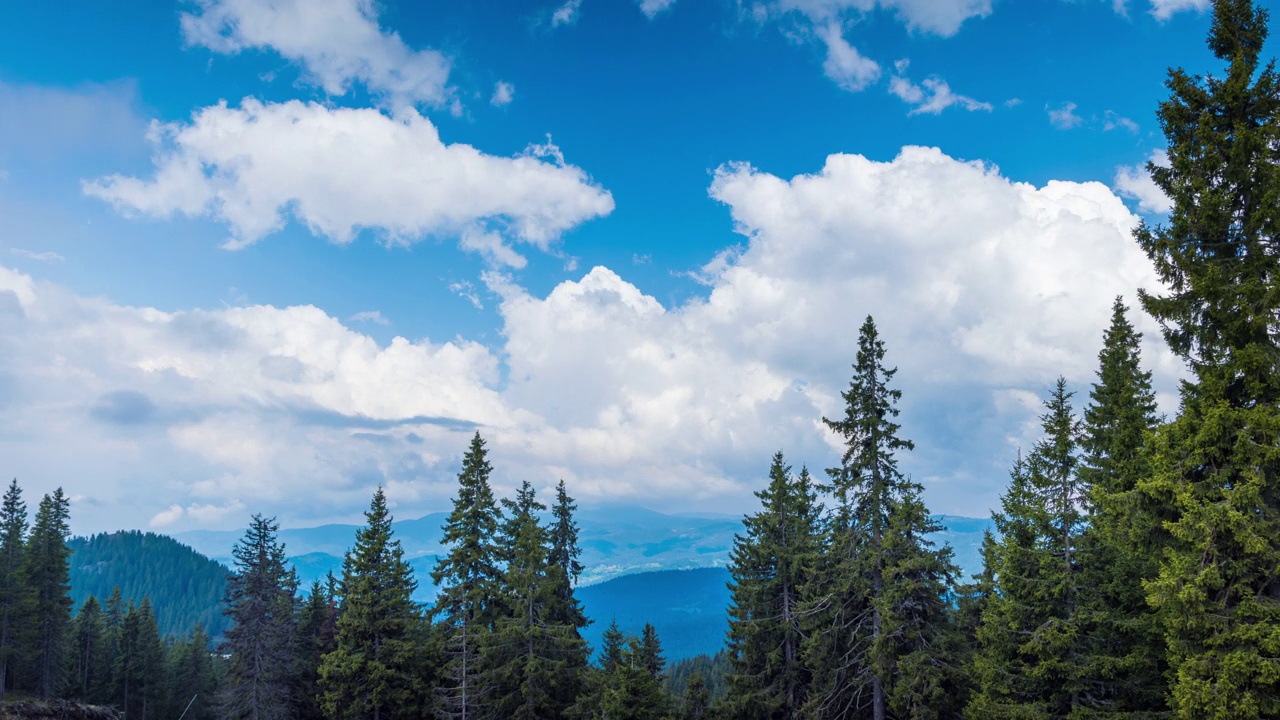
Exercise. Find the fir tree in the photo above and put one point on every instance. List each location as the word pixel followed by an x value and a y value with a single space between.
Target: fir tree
pixel 193 679
pixel 769 565
pixel 633 691
pixel 15 591
pixel 260 599
pixel 139 667
pixel 1031 655
pixel 532 661
pixel 88 653
pixel 882 602
pixel 370 674
pixel 1218 464
pixel 316 636
pixel 1123 669
pixel 48 573
pixel 696 703
pixel 470 581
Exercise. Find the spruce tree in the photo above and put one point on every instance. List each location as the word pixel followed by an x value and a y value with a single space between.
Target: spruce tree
pixel 15 590
pixel 370 674
pixel 1218 463
pixel 48 573
pixel 696 703
pixel 884 600
pixel 769 565
pixel 532 660
pixel 88 653
pixel 470 581
pixel 193 679
pixel 1123 668
pixel 260 600
pixel 1031 655
pixel 139 668
pixel 316 636
pixel 633 690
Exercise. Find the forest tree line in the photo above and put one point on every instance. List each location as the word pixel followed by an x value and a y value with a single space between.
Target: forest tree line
pixel 1134 571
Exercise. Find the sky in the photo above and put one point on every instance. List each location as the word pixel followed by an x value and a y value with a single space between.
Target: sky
pixel 263 256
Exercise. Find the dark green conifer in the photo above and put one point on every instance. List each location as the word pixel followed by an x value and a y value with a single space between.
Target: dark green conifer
pixel 371 672
pixel 1123 668
pixel 48 574
pixel 260 600
pixel 696 703
pixel 880 598
pixel 1217 466
pixel 1031 655
pixel 90 672
pixel 15 590
pixel 532 660
pixel 769 565
pixel 470 582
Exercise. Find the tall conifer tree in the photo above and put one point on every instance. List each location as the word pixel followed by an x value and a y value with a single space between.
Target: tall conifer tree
pixel 1123 668
pixel 1031 653
pixel 1218 463
pixel 15 591
pixel 470 582
pixel 370 674
pixel 532 660
pixel 260 600
pixel 49 574
pixel 886 593
pixel 769 565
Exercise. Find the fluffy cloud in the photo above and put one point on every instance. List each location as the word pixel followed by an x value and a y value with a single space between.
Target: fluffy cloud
pixel 339 170
pixel 338 42
pixel 1133 181
pixel 844 64
pixel 930 97
pixel 985 290
pixel 1165 9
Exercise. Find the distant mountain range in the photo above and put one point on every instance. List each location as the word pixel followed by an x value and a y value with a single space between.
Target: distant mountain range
pixel 616 541
pixel 641 566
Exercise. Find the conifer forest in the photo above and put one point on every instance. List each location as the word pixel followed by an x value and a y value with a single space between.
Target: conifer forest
pixel 1134 570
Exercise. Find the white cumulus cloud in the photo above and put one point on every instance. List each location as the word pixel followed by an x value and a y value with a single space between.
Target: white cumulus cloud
pixel 339 170
pixel 1133 181
pixel 985 290
pixel 503 93
pixel 338 42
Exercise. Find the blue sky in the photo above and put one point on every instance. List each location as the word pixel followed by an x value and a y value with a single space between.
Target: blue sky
pixel 261 256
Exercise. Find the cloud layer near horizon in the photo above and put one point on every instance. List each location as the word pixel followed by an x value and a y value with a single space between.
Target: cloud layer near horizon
pixel 985 290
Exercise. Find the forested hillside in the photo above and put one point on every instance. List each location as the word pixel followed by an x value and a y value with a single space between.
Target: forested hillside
pixel 184 587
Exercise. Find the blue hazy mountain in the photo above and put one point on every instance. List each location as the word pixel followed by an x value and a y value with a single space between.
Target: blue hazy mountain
pixel 641 566
pixel 616 541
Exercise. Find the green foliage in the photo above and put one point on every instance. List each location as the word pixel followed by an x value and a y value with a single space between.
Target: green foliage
pixel 1217 466
pixel 1030 647
pixel 470 581
pixel 16 599
pixel 534 658
pixel 260 600
pixel 372 671
pixel 879 644
pixel 185 588
pixel 48 576
pixel 1122 670
pixel 770 565
pixel 715 670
